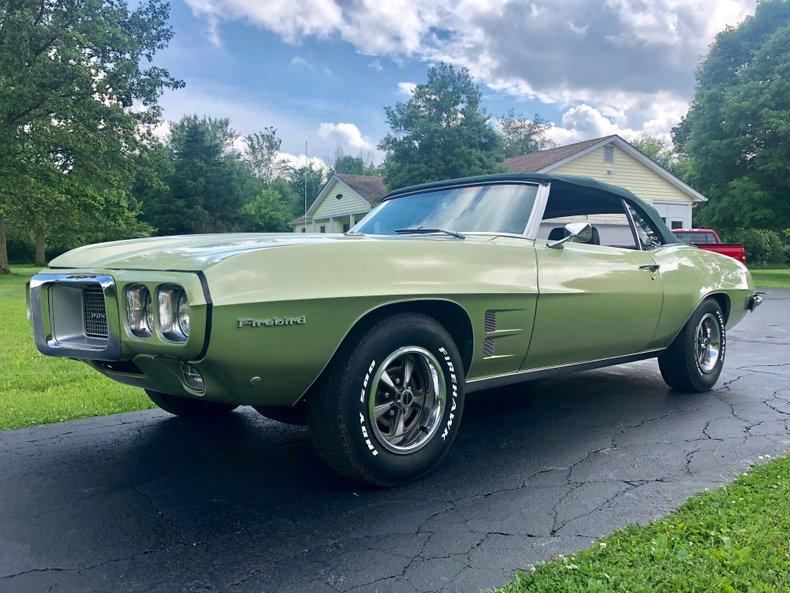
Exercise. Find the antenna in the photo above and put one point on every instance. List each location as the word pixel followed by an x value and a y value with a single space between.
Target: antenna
pixel 307 161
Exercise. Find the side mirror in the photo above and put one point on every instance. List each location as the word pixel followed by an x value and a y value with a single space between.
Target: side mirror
pixel 574 230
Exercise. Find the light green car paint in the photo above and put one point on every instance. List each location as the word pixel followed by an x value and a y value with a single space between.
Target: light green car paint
pixel 554 307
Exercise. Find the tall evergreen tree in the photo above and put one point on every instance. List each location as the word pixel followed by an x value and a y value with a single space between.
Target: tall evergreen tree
pixel 441 132
pixel 208 184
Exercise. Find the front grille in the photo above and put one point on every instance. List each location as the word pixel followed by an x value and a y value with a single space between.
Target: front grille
pixel 94 315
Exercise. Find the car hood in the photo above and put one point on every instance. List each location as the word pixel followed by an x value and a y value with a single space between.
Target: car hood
pixel 187 252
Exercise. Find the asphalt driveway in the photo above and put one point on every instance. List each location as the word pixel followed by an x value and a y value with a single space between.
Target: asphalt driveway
pixel 147 502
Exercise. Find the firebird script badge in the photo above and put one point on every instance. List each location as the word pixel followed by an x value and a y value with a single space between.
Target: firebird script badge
pixel 273 322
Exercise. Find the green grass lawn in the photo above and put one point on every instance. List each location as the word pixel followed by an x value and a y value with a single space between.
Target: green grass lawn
pixel 37 389
pixel 772 278
pixel 733 539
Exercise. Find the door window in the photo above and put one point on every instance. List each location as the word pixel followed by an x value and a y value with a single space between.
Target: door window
pixel 607 216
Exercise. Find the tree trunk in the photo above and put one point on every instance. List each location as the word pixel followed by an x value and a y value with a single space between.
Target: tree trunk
pixel 41 256
pixel 4 267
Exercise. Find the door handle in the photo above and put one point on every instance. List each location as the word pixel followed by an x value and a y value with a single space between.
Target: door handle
pixel 650 267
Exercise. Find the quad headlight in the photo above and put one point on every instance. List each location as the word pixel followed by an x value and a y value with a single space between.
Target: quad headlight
pixel 139 310
pixel 174 313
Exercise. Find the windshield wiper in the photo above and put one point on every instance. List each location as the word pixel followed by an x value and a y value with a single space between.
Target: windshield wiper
pixel 421 230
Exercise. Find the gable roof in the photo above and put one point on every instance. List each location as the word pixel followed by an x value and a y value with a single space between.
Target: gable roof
pixel 370 187
pixel 536 161
pixel 544 161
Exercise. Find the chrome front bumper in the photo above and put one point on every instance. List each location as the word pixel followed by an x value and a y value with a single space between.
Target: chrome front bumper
pixel 57 310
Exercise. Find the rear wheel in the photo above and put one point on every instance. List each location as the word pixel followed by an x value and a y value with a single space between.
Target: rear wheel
pixel 187 407
pixel 391 404
pixel 694 360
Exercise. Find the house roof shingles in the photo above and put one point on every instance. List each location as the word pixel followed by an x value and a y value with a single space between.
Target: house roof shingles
pixel 535 161
pixel 370 187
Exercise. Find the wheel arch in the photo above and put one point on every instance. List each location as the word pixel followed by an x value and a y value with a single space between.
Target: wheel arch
pixel 449 314
pixel 723 299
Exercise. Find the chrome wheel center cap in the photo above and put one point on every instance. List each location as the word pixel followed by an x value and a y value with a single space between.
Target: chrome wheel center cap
pixel 407 397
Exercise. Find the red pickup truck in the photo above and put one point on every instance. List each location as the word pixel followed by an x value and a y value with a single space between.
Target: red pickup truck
pixel 709 240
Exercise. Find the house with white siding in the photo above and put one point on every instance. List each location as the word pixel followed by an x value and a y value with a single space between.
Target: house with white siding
pixel 343 201
pixel 346 198
pixel 613 160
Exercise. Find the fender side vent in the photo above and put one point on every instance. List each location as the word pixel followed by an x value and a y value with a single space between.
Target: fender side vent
pixel 488 347
pixel 490 321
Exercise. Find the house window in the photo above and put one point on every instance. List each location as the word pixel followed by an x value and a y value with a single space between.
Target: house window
pixel 323 229
pixel 608 154
pixel 677 224
pixel 304 230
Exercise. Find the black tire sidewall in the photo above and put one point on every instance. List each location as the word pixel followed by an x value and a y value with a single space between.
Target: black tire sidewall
pixel 704 381
pixel 368 454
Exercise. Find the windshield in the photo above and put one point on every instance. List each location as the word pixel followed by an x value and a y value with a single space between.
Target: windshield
pixel 481 208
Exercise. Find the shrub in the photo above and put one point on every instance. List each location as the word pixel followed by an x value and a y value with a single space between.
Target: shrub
pixel 764 246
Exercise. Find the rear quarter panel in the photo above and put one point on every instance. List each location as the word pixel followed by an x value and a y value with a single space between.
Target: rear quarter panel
pixel 689 275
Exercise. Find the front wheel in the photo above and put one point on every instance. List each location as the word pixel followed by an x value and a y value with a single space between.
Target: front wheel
pixel 694 360
pixel 187 407
pixel 392 402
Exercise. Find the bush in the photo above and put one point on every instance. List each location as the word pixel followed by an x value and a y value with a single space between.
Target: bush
pixel 764 246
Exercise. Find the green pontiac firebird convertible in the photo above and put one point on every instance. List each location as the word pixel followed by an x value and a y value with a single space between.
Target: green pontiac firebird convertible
pixel 372 338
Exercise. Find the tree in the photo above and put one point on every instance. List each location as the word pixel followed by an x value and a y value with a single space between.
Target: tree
pixel 654 147
pixel 521 135
pixel 208 184
pixel 263 155
pixel 441 132
pixel 361 164
pixel 736 134
pixel 76 82
pixel 269 211
pixel 313 178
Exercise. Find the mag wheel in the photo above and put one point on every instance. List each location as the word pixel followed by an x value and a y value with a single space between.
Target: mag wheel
pixel 694 360
pixel 391 405
pixel 187 407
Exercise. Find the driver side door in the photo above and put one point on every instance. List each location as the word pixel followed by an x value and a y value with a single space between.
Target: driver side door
pixel 596 300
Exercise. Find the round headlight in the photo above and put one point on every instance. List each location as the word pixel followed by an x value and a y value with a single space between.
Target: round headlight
pixel 139 311
pixel 174 313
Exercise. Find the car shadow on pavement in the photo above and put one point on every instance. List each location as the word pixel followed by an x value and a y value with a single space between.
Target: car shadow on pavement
pixel 244 503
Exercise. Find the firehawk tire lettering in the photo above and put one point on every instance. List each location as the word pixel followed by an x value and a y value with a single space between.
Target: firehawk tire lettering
pixel 363 391
pixel 453 403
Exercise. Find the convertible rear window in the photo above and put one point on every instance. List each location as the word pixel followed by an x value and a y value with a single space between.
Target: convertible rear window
pixel 501 208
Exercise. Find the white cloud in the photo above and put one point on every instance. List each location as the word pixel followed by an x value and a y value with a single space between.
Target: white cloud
pixel 346 135
pixel 299 61
pixel 376 65
pixel 612 55
pixel 300 160
pixel 406 88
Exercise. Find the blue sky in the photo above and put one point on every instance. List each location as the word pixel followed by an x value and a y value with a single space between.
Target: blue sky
pixel 322 70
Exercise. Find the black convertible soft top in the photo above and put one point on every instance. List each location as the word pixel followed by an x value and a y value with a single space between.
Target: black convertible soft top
pixel 564 188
